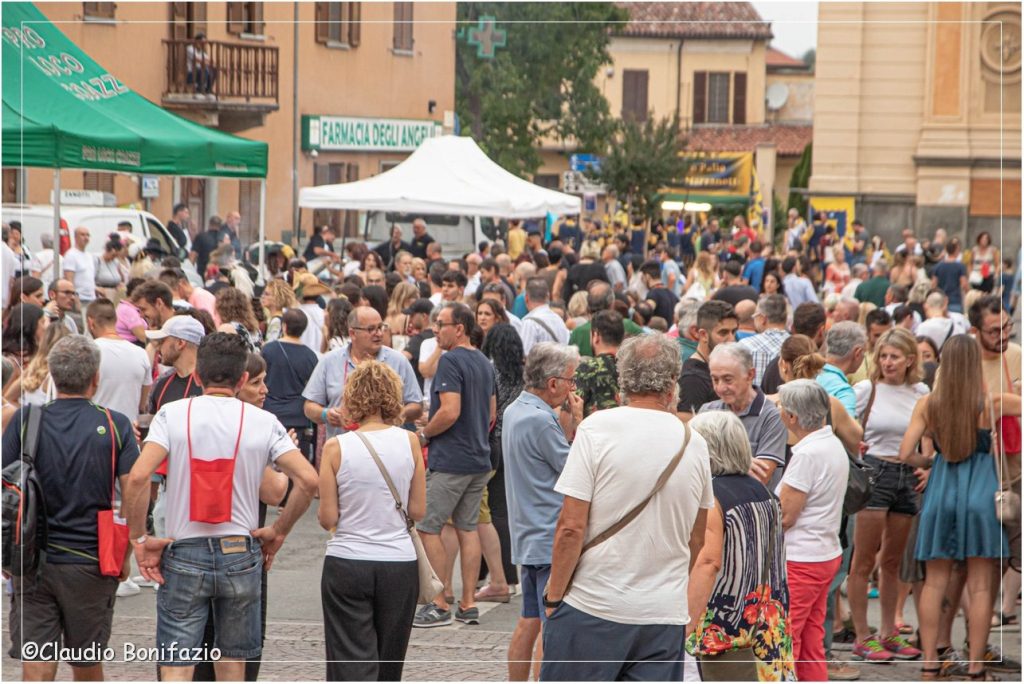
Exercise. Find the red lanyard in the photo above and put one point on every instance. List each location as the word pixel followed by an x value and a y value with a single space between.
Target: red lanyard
pixel 188 386
pixel 188 429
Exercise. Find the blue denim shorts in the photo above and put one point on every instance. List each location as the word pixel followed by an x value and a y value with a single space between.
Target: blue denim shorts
pixel 533 580
pixel 199 577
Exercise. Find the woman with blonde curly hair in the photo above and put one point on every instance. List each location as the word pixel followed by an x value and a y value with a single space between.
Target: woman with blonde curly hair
pixel 237 317
pixel 705 272
pixel 370 579
pixel 277 297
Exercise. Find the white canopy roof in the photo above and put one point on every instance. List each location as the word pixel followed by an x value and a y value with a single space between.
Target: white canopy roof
pixel 445 175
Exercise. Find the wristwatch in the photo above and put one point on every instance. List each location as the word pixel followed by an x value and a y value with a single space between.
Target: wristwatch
pixel 143 539
pixel 550 604
pixel 423 438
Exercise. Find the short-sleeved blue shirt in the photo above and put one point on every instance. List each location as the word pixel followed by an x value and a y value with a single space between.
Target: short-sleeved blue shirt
pixel 463 449
pixel 289 368
pixel 534 450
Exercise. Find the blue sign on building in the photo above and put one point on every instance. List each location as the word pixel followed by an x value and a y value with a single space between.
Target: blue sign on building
pixel 583 162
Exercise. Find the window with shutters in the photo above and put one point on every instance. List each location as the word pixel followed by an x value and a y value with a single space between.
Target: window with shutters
pixel 187 19
pixel 98 180
pixel 99 10
pixel 245 18
pixel 403 27
pixel 719 97
pixel 634 94
pixel 338 23
pixel 546 180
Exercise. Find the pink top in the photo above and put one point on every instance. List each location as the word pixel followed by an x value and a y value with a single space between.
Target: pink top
pixel 203 299
pixel 128 317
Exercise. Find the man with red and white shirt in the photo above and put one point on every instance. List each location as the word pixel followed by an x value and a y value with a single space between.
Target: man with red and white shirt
pixel 217 448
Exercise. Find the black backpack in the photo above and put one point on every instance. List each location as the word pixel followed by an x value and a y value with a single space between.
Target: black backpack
pixel 24 509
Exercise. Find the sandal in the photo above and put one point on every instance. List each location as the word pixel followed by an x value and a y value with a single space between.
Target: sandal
pixel 1000 620
pixel 982 676
pixel 490 595
pixel 904 628
pixel 931 674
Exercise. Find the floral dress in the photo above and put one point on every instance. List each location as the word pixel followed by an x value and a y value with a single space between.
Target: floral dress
pixel 747 609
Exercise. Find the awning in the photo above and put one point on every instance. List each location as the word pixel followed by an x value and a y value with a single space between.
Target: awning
pixel 63 110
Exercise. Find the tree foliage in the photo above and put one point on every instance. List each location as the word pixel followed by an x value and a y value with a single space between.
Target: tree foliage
pixel 540 83
pixel 810 57
pixel 640 161
pixel 799 180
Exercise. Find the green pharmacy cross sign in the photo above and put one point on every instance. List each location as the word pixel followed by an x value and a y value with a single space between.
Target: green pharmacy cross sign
pixel 487 37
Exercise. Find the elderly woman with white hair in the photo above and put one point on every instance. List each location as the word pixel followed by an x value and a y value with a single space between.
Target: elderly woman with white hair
pixel 812 492
pixel 738 584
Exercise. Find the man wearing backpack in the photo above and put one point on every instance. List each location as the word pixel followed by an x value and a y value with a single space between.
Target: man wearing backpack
pixel 81 448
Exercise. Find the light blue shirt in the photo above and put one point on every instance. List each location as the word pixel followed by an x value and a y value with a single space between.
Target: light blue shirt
pixel 798 290
pixel 835 383
pixel 327 383
pixel 534 450
pixel 667 268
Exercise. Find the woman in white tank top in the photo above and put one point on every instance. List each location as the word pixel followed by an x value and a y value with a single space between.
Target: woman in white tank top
pixel 370 579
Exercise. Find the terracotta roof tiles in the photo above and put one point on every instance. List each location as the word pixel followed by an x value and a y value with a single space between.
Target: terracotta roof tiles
pixel 789 140
pixel 730 20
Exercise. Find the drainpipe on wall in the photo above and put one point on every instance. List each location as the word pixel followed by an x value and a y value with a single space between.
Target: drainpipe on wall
pixel 679 86
pixel 295 123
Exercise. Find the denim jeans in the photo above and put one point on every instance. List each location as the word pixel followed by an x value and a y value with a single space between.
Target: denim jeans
pixel 198 577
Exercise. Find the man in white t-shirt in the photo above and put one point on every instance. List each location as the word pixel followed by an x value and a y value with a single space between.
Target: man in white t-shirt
pixel 41 265
pixel 80 268
pixel 626 613
pixel 8 269
pixel 216 449
pixel 811 492
pixel 541 324
pixel 939 324
pixel 126 373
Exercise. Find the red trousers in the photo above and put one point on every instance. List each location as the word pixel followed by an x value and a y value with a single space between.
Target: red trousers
pixel 808 602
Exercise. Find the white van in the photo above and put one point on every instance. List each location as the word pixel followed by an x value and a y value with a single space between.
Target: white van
pixel 457 234
pixel 101 221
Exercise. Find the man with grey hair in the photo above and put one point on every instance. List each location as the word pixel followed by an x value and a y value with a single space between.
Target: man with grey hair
pixel 770 320
pixel 846 309
pixel 624 616
pixel 811 493
pixel 600 297
pixel 859 273
pixel 732 372
pixel 41 265
pixel 685 316
pixel 535 444
pixel 613 268
pixel 82 450
pixel 541 324
pixel 845 344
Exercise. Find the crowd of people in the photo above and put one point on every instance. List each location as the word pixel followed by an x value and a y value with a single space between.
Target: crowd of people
pixel 656 435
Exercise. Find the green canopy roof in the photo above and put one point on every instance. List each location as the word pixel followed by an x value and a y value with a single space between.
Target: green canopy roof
pixel 63 110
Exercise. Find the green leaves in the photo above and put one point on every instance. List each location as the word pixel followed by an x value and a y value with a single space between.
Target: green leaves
pixel 643 159
pixel 540 83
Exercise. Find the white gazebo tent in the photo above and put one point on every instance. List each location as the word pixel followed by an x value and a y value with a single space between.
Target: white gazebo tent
pixel 445 175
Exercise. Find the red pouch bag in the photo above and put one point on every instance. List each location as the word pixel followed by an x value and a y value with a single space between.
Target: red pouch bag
pixel 211 482
pixel 111 529
pixel 1009 426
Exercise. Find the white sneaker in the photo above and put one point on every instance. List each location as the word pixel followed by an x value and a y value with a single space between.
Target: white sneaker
pixel 127 588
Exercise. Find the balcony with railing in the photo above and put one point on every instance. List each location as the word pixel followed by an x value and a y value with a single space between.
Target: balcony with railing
pixel 229 85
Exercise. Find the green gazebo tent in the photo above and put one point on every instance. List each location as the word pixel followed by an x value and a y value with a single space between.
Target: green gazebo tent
pixel 62 110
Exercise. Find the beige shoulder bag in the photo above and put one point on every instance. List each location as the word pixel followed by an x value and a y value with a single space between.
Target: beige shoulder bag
pixel 430 585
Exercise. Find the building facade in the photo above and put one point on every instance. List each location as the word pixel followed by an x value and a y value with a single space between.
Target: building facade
pixel 918 116
pixel 339 90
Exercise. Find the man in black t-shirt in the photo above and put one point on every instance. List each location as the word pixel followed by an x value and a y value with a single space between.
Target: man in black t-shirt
pixel 82 450
pixel 419 321
pixel 204 245
pixel 177 342
pixel 661 298
pixel 178 225
pixel 421 238
pixel 716 324
pixel 734 291
pixel 321 246
pixel 389 249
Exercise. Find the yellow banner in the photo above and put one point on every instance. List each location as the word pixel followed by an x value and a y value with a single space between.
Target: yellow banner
pixel 717 173
pixel 839 213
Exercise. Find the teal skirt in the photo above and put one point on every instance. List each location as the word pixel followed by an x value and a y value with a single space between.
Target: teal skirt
pixel 958 514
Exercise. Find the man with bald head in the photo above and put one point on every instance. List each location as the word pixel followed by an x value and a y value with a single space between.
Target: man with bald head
pixel 229 232
pixel 327 384
pixel 420 238
pixel 846 310
pixel 745 309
